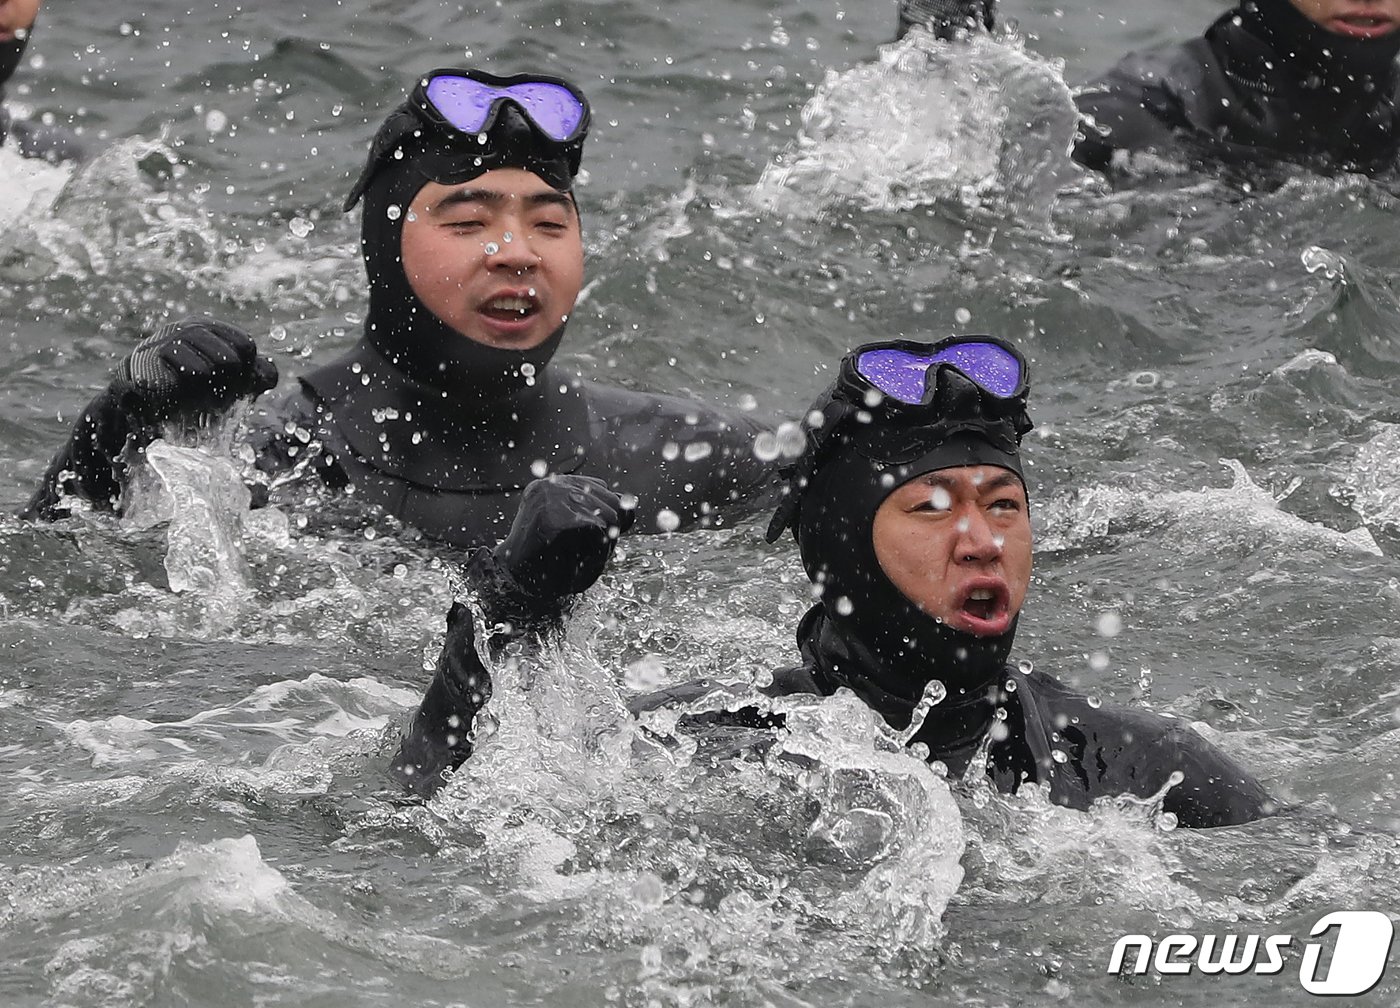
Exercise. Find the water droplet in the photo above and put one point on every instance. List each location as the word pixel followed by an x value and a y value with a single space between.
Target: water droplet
pixel 942 500
pixel 277 333
pixel 539 468
pixel 1058 756
pixel 300 226
pixel 393 211
pixel 648 893
pixel 845 606
pixel 670 451
pixel 1098 661
pixel 873 398
pixel 491 248
pixel 1093 702
pixel 645 674
pixel 1011 685
pixel 667 520
pixel 697 450
pixel 1144 379
pixel 507 237
pixel 1110 624
pixel 1025 666
pixel 962 316
pixel 791 440
pixel 765 446
pixel 215 121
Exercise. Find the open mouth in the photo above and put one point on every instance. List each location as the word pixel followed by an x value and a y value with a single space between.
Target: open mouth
pixel 984 608
pixel 514 307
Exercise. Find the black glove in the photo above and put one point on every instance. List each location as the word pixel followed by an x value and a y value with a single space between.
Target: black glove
pixel 945 18
pixel 191 367
pixel 562 537
pixel 188 368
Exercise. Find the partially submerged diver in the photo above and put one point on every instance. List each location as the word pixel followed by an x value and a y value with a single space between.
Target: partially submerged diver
pixel 911 515
pixel 1309 82
pixel 449 405
pixel 31 139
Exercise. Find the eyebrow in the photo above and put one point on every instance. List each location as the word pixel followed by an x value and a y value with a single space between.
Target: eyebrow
pixel 494 197
pixel 1006 478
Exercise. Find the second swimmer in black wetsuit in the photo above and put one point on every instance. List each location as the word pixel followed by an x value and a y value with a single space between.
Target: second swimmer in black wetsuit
pixel 1306 82
pixel 449 406
pixel 911 516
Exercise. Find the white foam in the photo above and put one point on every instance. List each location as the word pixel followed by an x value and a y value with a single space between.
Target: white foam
pixel 1242 513
pixel 980 120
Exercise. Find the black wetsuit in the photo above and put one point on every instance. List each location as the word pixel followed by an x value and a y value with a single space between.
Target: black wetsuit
pixel 454 469
pixel 31 139
pixel 1050 735
pixel 1263 85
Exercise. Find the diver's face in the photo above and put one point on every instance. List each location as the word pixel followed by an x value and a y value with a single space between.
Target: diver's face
pixel 499 258
pixel 957 543
pixel 16 15
pixel 1354 18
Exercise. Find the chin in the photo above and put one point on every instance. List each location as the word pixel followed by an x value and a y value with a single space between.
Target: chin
pixel 499 341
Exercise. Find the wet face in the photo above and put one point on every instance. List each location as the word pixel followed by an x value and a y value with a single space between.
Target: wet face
pixel 499 258
pixel 957 543
pixel 16 15
pixel 1353 18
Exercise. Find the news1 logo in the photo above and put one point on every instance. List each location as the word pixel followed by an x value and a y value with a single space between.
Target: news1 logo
pixel 1360 951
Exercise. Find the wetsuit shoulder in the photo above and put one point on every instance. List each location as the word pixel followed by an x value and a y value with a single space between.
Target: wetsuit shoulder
pixel 691 459
pixel 1108 751
pixel 1139 104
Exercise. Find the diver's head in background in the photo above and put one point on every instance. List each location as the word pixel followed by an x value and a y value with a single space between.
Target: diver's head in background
pixel 469 229
pixel 910 511
pixel 1346 46
pixel 1358 19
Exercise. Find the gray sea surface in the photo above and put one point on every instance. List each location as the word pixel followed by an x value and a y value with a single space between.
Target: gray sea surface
pixel 196 701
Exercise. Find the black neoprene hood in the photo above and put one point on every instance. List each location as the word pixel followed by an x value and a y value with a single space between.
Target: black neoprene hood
pixel 405 154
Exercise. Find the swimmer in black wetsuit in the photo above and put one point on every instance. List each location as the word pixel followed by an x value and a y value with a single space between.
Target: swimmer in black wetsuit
pixel 448 406
pixel 31 139
pixel 910 512
pixel 1307 82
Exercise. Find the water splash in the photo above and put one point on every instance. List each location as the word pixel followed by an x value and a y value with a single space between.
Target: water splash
pixel 1331 265
pixel 1371 484
pixel 203 499
pixel 32 185
pixel 980 121
pixel 1243 515
pixel 837 848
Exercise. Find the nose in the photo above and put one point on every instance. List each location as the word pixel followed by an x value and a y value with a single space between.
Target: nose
pixel 976 542
pixel 510 252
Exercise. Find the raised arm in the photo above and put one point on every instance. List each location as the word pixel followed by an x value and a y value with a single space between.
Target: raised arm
pixel 561 539
pixel 945 18
pixel 188 370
